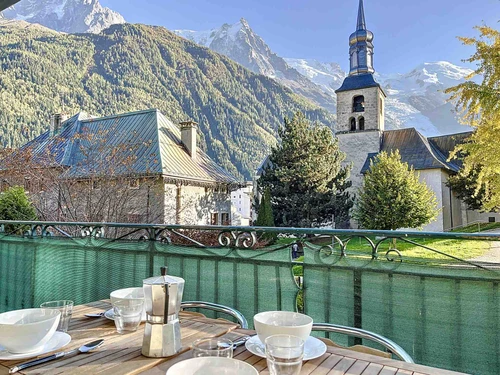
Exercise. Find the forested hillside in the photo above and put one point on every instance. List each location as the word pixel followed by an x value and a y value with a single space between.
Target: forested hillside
pixel 133 67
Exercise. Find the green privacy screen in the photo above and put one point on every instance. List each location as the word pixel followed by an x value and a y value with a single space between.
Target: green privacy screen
pixel 443 314
pixel 35 270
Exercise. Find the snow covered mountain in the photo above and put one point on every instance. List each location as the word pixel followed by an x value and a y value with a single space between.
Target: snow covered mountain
pixel 70 16
pixel 328 75
pixel 415 99
pixel 241 44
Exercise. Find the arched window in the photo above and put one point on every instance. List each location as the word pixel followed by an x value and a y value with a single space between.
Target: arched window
pixel 353 124
pixel 361 123
pixel 358 103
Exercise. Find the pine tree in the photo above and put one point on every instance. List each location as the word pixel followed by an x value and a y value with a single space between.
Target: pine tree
pixel 265 216
pixel 305 178
pixel 392 196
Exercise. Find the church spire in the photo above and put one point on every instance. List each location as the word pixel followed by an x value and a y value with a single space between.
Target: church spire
pixel 361 47
pixel 361 17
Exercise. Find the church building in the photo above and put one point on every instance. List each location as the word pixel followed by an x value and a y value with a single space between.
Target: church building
pixel 361 134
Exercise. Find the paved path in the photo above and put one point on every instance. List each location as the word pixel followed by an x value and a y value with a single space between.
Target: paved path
pixel 493 255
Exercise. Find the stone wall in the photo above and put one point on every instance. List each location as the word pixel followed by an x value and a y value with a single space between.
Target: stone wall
pixel 357 146
pixel 373 109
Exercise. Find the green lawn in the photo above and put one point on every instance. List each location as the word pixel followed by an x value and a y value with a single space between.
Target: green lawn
pixel 464 249
pixel 478 227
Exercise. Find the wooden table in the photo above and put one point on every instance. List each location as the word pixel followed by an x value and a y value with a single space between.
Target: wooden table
pixel 121 354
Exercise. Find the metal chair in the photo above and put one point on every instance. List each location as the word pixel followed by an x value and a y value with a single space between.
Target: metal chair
pixel 388 344
pixel 218 308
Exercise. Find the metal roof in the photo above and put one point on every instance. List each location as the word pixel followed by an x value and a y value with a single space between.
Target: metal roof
pixel 134 143
pixel 419 151
pixel 447 143
pixel 359 81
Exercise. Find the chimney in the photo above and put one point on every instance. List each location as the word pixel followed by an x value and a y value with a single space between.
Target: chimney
pixel 188 136
pixel 56 122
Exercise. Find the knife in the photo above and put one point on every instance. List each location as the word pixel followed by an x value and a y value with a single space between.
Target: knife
pixel 82 349
pixel 242 340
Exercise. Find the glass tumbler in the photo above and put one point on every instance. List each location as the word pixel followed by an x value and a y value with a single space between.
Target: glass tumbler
pixel 213 347
pixel 284 354
pixel 66 309
pixel 127 314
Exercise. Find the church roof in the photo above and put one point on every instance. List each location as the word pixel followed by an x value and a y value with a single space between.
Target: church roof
pixel 148 142
pixel 419 151
pixel 359 81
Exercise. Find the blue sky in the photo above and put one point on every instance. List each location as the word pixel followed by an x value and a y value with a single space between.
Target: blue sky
pixel 407 33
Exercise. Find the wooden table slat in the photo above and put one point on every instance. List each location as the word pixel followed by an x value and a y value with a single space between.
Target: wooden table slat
pixel 323 367
pixel 342 367
pixel 388 370
pixel 372 369
pixel 358 367
pixel 121 354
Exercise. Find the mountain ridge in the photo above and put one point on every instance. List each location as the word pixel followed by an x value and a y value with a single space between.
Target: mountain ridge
pixel 419 102
pixel 240 43
pixel 238 111
pixel 415 98
pixel 70 16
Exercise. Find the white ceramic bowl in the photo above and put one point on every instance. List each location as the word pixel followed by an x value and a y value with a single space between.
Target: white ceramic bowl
pixel 24 331
pixel 131 294
pixel 270 323
pixel 212 366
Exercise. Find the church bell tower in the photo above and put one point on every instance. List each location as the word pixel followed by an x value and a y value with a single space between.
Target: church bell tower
pixel 360 103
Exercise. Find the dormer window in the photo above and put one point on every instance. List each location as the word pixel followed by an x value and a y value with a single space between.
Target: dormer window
pixel 353 124
pixel 358 103
pixel 361 122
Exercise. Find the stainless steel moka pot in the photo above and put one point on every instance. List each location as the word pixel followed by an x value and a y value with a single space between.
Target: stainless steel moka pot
pixel 162 333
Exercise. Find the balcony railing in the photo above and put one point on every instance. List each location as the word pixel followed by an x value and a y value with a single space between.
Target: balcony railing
pixel 443 308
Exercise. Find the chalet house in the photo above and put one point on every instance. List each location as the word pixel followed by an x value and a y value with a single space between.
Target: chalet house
pixel 131 167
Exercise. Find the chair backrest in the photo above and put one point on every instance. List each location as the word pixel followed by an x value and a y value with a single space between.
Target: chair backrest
pixel 388 344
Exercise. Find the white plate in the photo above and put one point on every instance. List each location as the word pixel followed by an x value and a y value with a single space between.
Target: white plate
pixel 313 347
pixel 212 366
pixel 57 341
pixel 109 314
